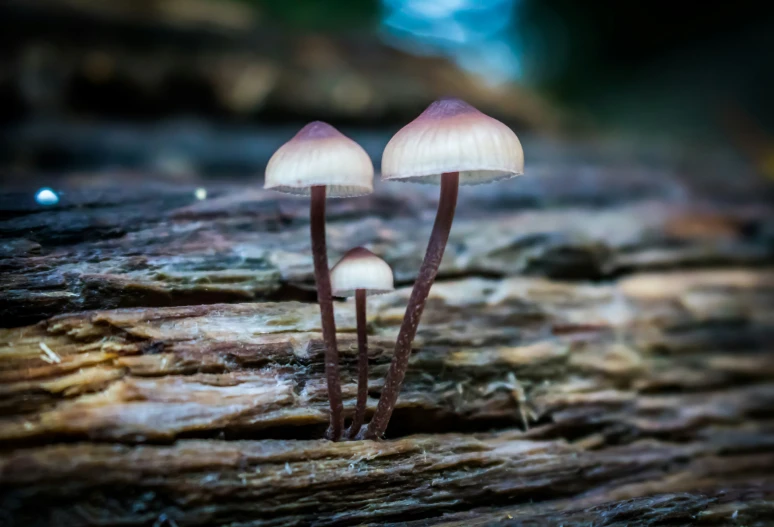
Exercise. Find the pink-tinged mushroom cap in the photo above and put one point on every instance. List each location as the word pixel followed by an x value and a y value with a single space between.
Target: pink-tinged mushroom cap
pixel 452 136
pixel 359 268
pixel 320 155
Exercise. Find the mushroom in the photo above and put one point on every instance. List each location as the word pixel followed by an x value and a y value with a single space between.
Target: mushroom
pixel 450 143
pixel 320 160
pixel 359 273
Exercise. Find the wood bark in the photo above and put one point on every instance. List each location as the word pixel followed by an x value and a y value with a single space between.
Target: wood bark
pixel 591 354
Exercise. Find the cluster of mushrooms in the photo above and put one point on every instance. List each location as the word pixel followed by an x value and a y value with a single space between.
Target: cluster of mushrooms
pixel 450 143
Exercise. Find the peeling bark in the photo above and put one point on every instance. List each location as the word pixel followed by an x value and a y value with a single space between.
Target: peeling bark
pixel 604 363
pixel 512 350
pixel 159 247
pixel 605 393
pixel 200 482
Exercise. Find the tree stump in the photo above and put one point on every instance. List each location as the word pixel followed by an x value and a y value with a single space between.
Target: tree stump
pixel 596 351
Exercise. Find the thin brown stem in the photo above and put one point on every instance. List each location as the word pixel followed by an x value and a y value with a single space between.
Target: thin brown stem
pixel 416 304
pixel 362 363
pixel 323 279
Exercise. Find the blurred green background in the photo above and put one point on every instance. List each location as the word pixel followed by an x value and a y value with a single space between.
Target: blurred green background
pixel 213 86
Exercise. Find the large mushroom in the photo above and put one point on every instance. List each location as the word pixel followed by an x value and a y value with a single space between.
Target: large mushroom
pixel 322 161
pixel 450 143
pixel 359 273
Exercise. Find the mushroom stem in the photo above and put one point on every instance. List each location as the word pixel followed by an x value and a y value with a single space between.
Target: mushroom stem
pixel 362 363
pixel 416 304
pixel 323 279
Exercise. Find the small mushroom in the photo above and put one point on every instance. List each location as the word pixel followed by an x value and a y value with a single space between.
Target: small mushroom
pixel 450 143
pixel 320 160
pixel 359 273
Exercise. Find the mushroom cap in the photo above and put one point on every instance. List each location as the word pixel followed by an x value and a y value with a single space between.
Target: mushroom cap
pixel 452 136
pixel 359 268
pixel 320 155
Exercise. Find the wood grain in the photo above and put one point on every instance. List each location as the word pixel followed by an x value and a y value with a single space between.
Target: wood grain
pixel 596 352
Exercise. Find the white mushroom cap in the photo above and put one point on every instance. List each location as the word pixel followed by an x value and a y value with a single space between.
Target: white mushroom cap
pixel 361 269
pixel 452 136
pixel 320 155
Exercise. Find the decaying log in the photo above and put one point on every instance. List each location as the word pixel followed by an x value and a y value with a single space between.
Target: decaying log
pixel 199 482
pixel 592 354
pixel 644 357
pixel 142 245
pixel 660 384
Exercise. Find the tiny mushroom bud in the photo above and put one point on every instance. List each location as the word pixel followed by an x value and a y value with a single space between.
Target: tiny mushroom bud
pixel 360 272
pixel 359 268
pixel 320 160
pixel 450 143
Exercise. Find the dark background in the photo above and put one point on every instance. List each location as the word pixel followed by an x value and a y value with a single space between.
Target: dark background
pixel 212 87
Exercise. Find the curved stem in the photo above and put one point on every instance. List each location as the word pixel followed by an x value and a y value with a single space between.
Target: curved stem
pixel 323 279
pixel 362 363
pixel 416 304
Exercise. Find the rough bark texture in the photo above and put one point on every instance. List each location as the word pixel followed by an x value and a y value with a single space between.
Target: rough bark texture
pixel 596 351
